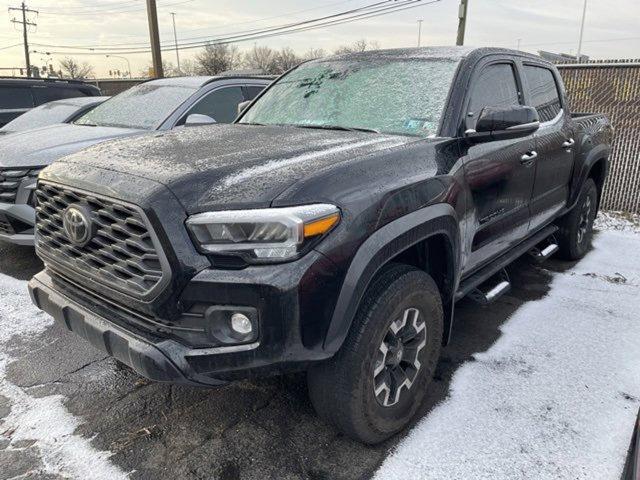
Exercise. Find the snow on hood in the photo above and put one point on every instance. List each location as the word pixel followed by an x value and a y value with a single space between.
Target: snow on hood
pixel 41 146
pixel 223 164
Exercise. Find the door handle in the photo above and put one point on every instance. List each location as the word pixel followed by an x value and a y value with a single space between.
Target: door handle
pixel 569 143
pixel 528 158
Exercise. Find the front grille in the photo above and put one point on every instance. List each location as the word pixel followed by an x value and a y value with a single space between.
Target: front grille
pixel 123 253
pixel 10 179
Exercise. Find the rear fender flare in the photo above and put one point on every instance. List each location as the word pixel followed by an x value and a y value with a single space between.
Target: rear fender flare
pixel 600 152
pixel 382 246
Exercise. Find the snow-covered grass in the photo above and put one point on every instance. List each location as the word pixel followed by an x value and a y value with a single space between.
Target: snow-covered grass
pixel 620 221
pixel 556 396
pixel 43 420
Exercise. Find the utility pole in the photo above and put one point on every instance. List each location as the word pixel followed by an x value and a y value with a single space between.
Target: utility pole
pixel 154 35
pixel 419 32
pixel 175 38
pixel 25 27
pixel 584 14
pixel 462 21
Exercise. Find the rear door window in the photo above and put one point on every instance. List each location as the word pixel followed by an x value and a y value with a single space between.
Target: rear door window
pixel 496 87
pixel 49 94
pixel 221 104
pixel 544 92
pixel 15 98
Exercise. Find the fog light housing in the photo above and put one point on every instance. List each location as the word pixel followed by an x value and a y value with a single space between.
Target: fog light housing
pixel 241 324
pixel 232 325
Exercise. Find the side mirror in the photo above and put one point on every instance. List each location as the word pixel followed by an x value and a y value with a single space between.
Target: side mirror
pixel 503 123
pixel 196 119
pixel 242 106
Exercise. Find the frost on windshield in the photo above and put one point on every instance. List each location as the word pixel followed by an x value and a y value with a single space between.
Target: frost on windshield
pixel 144 106
pixel 47 114
pixel 402 95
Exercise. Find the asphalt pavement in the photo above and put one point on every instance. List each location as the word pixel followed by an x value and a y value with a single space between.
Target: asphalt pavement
pixel 263 429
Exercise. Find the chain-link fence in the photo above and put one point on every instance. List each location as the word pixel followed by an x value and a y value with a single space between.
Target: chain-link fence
pixel 612 87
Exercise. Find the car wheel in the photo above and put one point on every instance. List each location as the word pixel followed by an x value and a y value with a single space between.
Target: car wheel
pixel 576 228
pixel 374 385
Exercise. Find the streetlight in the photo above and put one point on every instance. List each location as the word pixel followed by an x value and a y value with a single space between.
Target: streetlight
pixel 123 58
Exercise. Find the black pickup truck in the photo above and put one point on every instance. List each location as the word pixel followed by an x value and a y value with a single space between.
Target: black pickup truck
pixel 331 229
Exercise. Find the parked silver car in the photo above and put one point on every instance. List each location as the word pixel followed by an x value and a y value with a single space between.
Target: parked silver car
pixel 152 106
pixel 59 111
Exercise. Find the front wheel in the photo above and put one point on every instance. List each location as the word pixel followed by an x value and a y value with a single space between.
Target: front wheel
pixel 576 227
pixel 374 385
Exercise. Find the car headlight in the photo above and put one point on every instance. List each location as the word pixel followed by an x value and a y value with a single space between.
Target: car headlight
pixel 262 235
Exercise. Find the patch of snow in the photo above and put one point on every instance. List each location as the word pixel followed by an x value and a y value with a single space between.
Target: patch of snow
pixel 621 221
pixel 45 420
pixel 556 396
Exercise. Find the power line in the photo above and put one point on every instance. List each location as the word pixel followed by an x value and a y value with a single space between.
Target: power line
pixel 112 11
pixel 370 11
pixel 258 30
pixel 25 27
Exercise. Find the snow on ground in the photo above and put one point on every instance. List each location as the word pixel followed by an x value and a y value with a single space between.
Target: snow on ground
pixel 621 221
pixel 556 396
pixel 43 420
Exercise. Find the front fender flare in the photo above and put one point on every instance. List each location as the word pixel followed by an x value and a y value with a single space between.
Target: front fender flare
pixel 378 249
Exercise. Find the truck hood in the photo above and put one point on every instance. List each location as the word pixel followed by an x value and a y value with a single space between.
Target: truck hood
pixel 41 146
pixel 233 166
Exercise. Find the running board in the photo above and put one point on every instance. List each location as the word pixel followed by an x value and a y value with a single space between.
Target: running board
pixel 499 285
pixel 486 272
pixel 541 254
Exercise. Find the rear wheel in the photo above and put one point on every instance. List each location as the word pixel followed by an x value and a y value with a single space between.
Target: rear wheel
pixel 576 227
pixel 374 385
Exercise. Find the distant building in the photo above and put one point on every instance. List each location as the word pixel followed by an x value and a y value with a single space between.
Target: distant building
pixel 563 57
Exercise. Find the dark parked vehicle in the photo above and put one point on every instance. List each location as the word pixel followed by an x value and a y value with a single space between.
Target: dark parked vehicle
pixel 331 229
pixel 58 111
pixel 18 95
pixel 150 107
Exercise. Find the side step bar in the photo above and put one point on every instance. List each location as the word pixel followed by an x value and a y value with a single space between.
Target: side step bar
pixel 470 283
pixel 499 287
pixel 541 254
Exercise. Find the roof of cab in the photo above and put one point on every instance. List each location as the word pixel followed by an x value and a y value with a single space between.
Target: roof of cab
pixel 451 53
pixel 200 81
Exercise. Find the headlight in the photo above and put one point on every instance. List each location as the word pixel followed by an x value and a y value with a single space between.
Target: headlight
pixel 262 235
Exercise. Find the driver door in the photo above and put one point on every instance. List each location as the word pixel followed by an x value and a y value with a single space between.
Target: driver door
pixel 500 173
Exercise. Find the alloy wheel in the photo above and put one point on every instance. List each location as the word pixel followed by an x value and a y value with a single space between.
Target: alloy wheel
pixel 397 363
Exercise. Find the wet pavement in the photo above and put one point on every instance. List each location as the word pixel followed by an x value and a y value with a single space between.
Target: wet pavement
pixel 262 429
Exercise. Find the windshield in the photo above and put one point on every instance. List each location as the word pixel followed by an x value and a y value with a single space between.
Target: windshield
pixel 144 107
pixel 47 114
pixel 403 96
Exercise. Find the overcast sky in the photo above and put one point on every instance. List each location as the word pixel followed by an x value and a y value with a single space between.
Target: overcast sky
pixel 611 29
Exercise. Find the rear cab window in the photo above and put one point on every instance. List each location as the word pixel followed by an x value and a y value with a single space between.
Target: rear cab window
pixel 15 98
pixel 496 86
pixel 543 91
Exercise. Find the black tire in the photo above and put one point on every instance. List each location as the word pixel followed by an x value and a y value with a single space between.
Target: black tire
pixel 576 227
pixel 342 388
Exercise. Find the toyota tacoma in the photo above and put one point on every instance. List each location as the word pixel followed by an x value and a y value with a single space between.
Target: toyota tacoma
pixel 331 229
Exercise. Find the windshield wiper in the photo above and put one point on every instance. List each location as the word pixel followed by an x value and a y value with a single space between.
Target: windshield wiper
pixel 338 127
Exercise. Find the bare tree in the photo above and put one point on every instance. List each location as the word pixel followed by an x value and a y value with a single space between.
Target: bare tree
pixel 286 59
pixel 264 59
pixel 217 58
pixel 314 53
pixel 357 46
pixel 71 68
pixel 188 67
pixel 167 67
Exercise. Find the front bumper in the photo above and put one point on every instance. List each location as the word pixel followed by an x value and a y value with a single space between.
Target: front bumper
pixel 290 301
pixel 152 357
pixel 17 223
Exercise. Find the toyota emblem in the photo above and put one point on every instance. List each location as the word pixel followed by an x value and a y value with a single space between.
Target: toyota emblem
pixel 77 224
